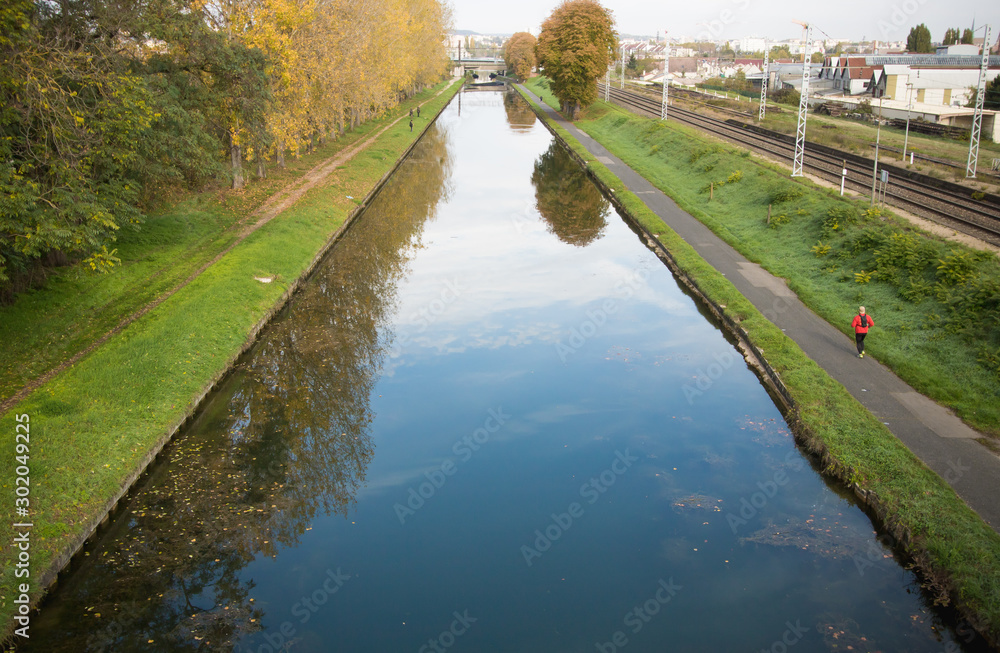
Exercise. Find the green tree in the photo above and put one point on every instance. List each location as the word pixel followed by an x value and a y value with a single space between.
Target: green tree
pixel 967 36
pixel 991 99
pixel 519 54
pixel 919 39
pixel 951 36
pixel 576 46
pixel 72 117
pixel 780 52
pixel 817 57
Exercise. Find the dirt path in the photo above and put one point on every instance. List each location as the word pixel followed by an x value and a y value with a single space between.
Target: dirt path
pixel 270 209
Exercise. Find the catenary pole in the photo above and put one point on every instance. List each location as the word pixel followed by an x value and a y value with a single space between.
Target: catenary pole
pixel 763 85
pixel 800 130
pixel 977 118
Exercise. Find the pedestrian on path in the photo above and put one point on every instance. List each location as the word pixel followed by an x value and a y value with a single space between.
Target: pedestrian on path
pixel 411 125
pixel 418 112
pixel 861 323
pixel 411 113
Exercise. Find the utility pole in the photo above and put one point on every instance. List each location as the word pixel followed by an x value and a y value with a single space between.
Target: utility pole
pixel 909 105
pixel 763 86
pixel 878 136
pixel 607 85
pixel 800 130
pixel 666 69
pixel 977 119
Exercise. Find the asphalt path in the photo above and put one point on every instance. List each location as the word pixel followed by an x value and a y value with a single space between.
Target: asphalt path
pixel 939 438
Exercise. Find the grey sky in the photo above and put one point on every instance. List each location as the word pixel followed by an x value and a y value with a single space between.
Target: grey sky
pixel 730 19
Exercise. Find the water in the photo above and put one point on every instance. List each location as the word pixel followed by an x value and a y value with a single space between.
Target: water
pixel 491 421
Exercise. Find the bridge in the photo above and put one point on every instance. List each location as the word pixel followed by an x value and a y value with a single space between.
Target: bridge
pixel 478 65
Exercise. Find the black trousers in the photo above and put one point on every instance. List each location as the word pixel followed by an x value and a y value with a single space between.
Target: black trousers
pixel 860 337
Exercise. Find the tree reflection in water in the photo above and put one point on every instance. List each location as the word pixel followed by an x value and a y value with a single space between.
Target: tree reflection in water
pixel 285 437
pixel 520 116
pixel 572 206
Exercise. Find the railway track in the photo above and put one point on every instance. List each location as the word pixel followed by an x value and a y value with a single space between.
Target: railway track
pixel 955 209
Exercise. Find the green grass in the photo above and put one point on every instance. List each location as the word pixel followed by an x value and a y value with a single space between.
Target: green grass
pixel 930 343
pixel 858 137
pixel 93 424
pixel 928 519
pixel 75 307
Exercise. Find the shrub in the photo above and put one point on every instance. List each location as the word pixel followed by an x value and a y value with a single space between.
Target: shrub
pixel 735 177
pixel 838 217
pixel 786 194
pixel 820 249
pixel 903 256
pixel 778 220
pixel 702 151
pixel 786 96
pixel 863 277
pixel 956 268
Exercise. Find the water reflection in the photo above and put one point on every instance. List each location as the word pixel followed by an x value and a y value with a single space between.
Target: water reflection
pixel 570 203
pixel 520 115
pixel 584 353
pixel 286 438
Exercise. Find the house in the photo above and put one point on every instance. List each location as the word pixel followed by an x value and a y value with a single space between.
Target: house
pixel 934 84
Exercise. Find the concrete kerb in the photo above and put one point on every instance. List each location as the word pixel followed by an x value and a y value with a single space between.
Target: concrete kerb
pixel 62 561
pixel 823 461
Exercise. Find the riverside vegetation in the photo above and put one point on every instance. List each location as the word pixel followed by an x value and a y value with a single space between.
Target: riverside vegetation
pixel 958 552
pixel 939 301
pixel 94 424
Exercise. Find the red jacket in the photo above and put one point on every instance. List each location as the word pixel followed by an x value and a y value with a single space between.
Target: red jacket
pixel 857 324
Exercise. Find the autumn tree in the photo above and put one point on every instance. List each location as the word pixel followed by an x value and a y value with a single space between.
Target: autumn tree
pixel 105 107
pixel 575 47
pixel 519 54
pixel 571 205
pixel 919 39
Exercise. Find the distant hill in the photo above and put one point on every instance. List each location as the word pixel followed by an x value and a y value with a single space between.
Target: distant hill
pixel 469 32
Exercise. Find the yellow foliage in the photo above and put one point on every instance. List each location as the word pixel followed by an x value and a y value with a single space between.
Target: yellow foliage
pixel 336 63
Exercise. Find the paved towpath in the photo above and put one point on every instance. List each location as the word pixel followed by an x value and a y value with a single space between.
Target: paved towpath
pixel 945 443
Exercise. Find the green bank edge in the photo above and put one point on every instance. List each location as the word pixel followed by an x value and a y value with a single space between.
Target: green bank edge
pixel 64 555
pixel 962 569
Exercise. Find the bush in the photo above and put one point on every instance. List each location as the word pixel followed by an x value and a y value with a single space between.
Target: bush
pixel 778 220
pixel 786 194
pixel 735 177
pixel 786 96
pixel 820 249
pixel 839 217
pixel 956 269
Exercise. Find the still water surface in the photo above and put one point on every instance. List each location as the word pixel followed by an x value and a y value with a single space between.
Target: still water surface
pixel 491 421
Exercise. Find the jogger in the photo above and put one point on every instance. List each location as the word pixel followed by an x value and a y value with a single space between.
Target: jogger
pixel 861 323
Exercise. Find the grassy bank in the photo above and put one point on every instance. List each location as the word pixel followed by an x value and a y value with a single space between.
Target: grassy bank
pixel 936 303
pixel 93 426
pixel 859 137
pixel 951 543
pixel 75 307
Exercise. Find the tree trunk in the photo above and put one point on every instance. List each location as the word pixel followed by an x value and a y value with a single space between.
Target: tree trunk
pixel 261 168
pixel 281 154
pixel 236 156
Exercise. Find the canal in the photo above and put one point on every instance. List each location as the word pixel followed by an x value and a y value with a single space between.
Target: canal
pixel 491 421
